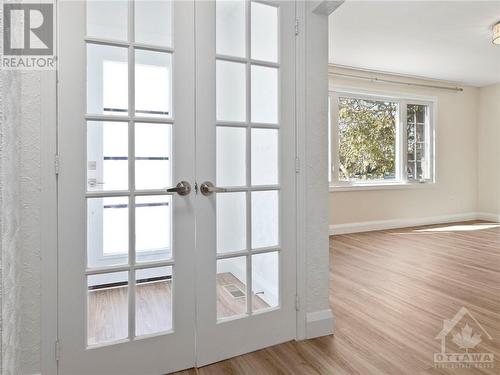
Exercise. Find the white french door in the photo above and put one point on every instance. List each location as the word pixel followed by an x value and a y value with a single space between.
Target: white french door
pixel 245 140
pixel 176 218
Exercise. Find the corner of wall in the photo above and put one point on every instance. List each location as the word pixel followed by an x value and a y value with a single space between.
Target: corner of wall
pixel 320 323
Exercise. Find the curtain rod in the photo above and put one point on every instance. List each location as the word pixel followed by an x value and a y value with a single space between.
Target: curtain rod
pixel 382 80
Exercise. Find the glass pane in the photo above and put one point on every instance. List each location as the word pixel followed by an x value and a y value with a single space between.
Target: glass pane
pixel 153 22
pixel 231 156
pixel 231 287
pixel 107 231
pixel 367 139
pixel 264 95
pixel 153 150
pixel 231 222
pixel 411 167
pixel 153 228
pixel 107 156
pixel 230 28
pixel 231 91
pixel 153 84
pixel 107 80
pixel 420 151
pixel 265 281
pixel 419 171
pixel 153 300
pixel 418 163
pixel 107 310
pixel 264 156
pixel 265 219
pixel 420 133
pixel 264 32
pixel 420 113
pixel 101 25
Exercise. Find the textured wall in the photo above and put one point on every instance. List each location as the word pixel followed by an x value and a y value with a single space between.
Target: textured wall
pixel 20 222
pixel 317 160
pixel 10 222
pixel 30 243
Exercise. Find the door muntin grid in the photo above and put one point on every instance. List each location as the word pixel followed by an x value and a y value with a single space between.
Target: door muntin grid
pixel 256 257
pixel 145 61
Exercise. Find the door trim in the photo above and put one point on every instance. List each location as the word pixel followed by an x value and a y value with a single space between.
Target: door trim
pixel 49 221
pixel 301 188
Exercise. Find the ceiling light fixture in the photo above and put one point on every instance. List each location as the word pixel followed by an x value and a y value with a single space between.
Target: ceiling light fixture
pixel 496 33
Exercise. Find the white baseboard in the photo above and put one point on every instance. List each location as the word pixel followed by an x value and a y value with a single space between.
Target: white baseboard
pixel 369 226
pixel 488 216
pixel 319 323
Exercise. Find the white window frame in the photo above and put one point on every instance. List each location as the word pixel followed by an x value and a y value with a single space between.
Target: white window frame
pixel 403 99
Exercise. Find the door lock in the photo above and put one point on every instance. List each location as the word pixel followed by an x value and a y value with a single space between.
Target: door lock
pixel 207 188
pixel 182 188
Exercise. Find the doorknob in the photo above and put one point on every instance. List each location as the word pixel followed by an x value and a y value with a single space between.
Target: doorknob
pixel 182 188
pixel 207 188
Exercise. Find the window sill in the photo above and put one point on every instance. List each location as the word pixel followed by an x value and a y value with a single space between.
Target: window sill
pixel 381 186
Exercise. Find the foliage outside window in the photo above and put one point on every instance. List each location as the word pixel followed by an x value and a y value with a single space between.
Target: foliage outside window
pixel 378 141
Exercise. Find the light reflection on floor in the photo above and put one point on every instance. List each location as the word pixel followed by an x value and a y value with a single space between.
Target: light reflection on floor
pixel 461 227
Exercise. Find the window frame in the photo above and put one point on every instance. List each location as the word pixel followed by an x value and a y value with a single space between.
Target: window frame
pixel 403 100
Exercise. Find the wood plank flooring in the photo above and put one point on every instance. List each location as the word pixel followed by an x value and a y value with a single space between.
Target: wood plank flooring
pixel 108 308
pixel 390 292
pixel 227 305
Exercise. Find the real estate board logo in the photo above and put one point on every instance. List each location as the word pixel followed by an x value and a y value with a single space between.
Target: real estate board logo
pixel 28 36
pixel 461 339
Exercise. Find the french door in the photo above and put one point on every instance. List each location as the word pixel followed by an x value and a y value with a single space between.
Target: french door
pixel 176 139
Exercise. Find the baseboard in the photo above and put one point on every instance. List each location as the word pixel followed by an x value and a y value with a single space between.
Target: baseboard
pixel 319 323
pixel 488 216
pixel 369 226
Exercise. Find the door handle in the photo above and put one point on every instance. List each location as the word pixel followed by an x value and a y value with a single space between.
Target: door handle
pixel 182 188
pixel 207 188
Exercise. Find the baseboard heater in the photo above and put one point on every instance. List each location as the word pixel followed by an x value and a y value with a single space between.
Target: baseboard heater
pixel 125 283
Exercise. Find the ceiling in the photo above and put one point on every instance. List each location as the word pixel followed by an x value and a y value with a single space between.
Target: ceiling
pixel 446 40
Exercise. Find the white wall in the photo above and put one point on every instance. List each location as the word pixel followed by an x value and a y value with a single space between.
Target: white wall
pixel 455 191
pixel 319 315
pixel 489 150
pixel 9 222
pixel 20 222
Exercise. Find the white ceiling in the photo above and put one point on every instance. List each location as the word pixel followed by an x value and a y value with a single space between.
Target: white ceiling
pixel 447 40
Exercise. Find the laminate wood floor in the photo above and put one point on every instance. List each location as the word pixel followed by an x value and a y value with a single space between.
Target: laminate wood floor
pixel 108 307
pixel 390 292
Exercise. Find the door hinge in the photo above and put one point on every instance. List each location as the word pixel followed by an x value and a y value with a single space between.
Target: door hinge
pixel 57 164
pixel 296 26
pixel 297 165
pixel 297 302
pixel 57 350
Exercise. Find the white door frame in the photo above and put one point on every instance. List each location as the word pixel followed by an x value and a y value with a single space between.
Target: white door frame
pixel 48 219
pixel 49 244
pixel 300 152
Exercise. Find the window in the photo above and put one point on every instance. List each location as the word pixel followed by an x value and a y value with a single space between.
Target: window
pixel 380 140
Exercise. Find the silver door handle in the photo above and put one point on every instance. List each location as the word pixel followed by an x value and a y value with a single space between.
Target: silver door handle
pixel 207 188
pixel 182 188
